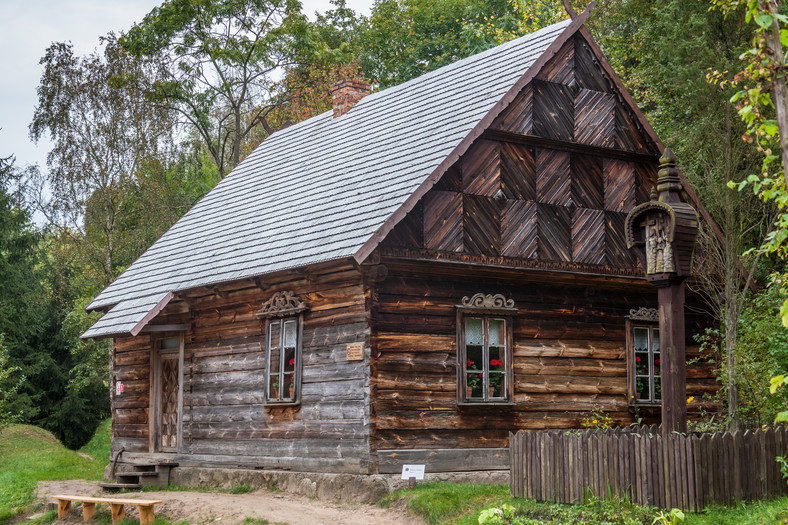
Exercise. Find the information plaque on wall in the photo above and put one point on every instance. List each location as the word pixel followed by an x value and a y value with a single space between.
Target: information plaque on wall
pixel 355 351
pixel 413 471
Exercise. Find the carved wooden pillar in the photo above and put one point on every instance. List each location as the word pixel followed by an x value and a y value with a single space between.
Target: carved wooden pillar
pixel 662 234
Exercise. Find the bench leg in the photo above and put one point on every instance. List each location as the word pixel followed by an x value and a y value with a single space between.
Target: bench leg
pixel 118 512
pixel 63 506
pixel 146 514
pixel 88 511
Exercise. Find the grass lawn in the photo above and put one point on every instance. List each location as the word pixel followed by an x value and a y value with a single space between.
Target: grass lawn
pixel 446 503
pixel 29 454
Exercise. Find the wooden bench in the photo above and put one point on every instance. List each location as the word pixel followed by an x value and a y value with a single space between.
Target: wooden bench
pixel 145 507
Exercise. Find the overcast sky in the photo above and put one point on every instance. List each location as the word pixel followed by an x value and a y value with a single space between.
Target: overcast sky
pixel 30 26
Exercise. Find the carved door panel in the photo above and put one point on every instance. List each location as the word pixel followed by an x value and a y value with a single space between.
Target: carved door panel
pixel 169 403
pixel 168 395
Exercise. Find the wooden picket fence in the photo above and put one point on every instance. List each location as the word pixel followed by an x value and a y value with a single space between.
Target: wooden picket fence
pixel 687 471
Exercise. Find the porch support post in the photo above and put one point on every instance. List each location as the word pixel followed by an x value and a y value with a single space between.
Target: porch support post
pixel 673 357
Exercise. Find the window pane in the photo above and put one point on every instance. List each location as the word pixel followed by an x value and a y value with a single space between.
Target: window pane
pixel 473 331
pixel 474 360
pixel 474 385
pixel 655 339
pixel 657 389
pixel 641 363
pixel 289 359
pixel 641 339
pixel 496 358
pixel 642 388
pixel 273 382
pixel 169 343
pixel 273 364
pixel 497 334
pixel 657 365
pixel 274 330
pixel 497 383
pixel 290 334
pixel 289 389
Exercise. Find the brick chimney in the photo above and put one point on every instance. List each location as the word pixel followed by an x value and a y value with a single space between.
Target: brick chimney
pixel 346 94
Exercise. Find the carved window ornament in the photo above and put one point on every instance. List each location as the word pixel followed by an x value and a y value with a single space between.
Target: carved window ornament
pixel 484 350
pixel 644 314
pixel 281 304
pixel 482 301
pixel 283 319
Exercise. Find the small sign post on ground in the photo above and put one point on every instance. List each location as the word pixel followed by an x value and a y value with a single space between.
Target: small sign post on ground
pixel 413 473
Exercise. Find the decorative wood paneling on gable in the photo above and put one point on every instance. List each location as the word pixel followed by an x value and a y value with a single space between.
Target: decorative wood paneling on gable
pixel 443 221
pixel 595 118
pixel 481 169
pixel 518 229
pixel 481 225
pixel 580 106
pixel 561 69
pixel 519 116
pixel 554 109
pixel 588 236
pixel 588 188
pixel 553 180
pixel 553 232
pixel 517 172
pixel 619 185
pixel 544 190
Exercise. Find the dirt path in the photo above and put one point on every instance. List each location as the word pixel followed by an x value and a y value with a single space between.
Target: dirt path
pixel 217 507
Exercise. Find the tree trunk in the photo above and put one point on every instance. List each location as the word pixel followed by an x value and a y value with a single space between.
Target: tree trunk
pixel 779 85
pixel 731 332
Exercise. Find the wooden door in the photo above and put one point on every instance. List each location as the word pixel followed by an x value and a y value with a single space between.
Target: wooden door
pixel 168 392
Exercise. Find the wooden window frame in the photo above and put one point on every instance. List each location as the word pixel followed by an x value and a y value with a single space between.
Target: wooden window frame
pixel 507 315
pixel 632 375
pixel 279 400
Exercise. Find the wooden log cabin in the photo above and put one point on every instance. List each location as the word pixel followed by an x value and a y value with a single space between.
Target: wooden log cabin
pixel 406 279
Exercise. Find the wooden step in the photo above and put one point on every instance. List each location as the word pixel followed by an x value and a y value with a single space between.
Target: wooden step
pixel 143 468
pixel 119 486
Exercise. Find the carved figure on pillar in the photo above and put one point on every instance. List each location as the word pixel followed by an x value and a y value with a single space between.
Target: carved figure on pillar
pixel 662 234
pixel 659 249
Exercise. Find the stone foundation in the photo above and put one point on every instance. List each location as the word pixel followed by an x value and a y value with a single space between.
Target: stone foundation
pixel 343 488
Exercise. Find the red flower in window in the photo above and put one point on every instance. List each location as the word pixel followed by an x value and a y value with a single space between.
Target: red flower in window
pixel 637 359
pixel 496 362
pixel 480 376
pixel 656 361
pixel 470 363
pixel 292 361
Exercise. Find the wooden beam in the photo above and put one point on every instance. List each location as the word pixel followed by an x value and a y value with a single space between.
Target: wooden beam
pixel 164 301
pixel 563 145
pixel 510 263
pixel 166 328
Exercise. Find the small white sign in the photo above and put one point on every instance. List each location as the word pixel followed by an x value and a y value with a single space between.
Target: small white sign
pixel 413 471
pixel 118 388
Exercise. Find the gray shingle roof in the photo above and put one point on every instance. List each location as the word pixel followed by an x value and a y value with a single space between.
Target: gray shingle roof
pixel 129 316
pixel 319 190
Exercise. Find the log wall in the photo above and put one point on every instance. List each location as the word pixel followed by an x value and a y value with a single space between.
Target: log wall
pixel 224 419
pixel 569 356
